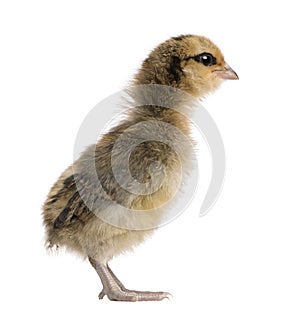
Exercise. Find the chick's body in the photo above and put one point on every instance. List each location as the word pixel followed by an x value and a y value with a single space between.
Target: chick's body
pixel 74 207
pixel 72 224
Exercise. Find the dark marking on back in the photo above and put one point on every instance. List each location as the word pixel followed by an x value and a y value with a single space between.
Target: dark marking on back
pixel 69 181
pixel 60 220
pixel 74 203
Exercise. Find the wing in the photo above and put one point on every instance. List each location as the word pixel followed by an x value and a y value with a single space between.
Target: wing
pixel 75 209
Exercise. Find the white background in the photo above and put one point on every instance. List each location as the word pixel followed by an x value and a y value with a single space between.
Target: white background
pixel 60 58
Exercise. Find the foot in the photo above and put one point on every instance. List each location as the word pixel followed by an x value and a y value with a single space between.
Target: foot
pixel 115 290
pixel 117 294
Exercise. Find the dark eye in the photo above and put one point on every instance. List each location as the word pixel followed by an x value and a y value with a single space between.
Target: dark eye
pixel 206 59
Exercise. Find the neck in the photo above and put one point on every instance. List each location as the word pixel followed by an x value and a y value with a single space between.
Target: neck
pixel 162 103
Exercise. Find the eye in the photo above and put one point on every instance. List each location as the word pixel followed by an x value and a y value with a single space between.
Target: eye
pixel 206 59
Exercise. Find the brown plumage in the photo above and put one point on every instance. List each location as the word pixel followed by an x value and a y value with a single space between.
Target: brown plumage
pixel 73 209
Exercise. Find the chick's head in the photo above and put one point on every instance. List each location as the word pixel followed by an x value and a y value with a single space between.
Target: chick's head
pixel 191 63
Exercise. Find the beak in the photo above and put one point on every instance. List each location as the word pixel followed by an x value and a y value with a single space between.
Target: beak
pixel 226 73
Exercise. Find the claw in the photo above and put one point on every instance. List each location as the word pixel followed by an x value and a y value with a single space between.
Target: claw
pixel 168 295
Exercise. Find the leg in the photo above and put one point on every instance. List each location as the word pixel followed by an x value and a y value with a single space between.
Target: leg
pixel 114 289
pixel 117 281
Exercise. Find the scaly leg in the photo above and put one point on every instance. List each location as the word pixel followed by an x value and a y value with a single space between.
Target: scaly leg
pixel 115 290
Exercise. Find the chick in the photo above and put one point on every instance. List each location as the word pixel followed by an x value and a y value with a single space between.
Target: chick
pixel 189 63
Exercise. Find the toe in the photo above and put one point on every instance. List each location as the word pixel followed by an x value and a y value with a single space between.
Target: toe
pixel 101 295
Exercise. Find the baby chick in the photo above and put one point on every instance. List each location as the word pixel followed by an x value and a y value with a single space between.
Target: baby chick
pixel 189 63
